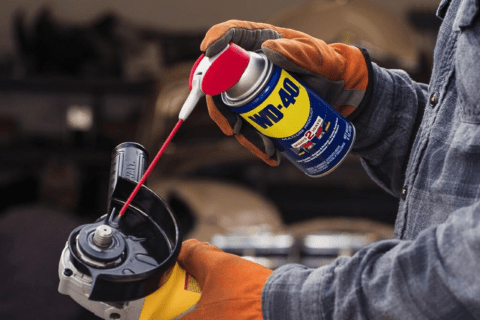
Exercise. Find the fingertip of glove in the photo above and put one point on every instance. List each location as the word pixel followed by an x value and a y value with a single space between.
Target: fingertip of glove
pixel 187 251
pixel 270 160
pixel 219 118
pixel 191 245
pixel 217 37
pixel 187 246
pixel 218 45
pixel 272 44
pixel 287 57
pixel 190 242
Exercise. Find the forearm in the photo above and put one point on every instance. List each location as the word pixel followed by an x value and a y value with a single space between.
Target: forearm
pixel 432 277
pixel 387 125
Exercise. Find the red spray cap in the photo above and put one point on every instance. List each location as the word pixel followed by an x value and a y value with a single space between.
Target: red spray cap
pixel 214 75
pixel 221 72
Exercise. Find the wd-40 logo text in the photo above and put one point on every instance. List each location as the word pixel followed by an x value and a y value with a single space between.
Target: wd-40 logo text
pixel 284 112
pixel 272 114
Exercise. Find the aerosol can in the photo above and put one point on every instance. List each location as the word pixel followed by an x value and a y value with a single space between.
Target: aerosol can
pixel 304 127
pixel 126 268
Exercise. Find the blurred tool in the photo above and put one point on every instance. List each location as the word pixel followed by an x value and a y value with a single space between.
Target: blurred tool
pixel 126 268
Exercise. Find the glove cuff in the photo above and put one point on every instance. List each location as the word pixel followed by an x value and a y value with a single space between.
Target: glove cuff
pixel 368 92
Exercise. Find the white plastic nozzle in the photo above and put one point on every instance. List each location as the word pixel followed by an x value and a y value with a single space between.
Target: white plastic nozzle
pixel 196 92
pixel 192 99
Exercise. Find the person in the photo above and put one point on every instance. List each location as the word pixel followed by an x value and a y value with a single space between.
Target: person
pixel 419 142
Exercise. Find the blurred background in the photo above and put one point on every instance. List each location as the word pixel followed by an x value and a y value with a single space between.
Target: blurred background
pixel 79 77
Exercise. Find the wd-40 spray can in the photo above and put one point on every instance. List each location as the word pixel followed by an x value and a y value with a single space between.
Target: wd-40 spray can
pixel 304 127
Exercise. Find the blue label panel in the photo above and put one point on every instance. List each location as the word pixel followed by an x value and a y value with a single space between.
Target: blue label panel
pixel 321 137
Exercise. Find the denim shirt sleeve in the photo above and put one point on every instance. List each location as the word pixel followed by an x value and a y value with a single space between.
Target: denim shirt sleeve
pixel 432 277
pixel 386 127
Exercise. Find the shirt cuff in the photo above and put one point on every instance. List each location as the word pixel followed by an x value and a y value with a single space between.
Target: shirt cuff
pixel 293 291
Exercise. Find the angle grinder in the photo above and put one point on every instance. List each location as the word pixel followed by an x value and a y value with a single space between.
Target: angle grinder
pixel 125 268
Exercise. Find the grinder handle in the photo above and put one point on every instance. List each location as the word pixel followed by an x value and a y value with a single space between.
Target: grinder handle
pixel 129 160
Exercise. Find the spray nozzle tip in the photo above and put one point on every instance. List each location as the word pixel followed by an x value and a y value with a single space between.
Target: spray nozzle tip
pixel 192 99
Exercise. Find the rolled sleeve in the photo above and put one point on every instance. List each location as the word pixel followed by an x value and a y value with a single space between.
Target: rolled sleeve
pixel 386 127
pixel 431 277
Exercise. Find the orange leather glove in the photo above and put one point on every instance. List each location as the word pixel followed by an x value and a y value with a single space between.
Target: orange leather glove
pixel 338 72
pixel 231 286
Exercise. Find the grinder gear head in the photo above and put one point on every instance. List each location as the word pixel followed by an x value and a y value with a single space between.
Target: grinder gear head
pixel 126 258
pixel 112 265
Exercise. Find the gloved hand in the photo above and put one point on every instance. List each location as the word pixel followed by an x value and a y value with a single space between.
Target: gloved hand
pixel 231 286
pixel 338 72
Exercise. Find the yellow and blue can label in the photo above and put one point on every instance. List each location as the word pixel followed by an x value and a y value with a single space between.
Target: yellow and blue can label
pixel 303 125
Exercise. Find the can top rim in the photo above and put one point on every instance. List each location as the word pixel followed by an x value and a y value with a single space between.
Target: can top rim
pixel 251 82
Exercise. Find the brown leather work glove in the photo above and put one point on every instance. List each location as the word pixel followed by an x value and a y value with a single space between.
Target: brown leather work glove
pixel 231 286
pixel 338 72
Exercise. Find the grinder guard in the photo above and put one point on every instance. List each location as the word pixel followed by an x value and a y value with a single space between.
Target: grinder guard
pixel 152 244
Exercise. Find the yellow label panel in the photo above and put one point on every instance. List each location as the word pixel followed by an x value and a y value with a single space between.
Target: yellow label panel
pixel 191 284
pixel 284 112
pixel 173 298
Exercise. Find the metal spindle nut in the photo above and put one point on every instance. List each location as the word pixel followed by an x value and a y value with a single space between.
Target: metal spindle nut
pixel 103 236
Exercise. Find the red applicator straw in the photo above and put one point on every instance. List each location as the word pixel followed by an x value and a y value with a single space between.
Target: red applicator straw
pixel 208 76
pixel 150 167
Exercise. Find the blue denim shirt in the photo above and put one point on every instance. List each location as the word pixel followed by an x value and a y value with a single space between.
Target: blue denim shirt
pixel 422 144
